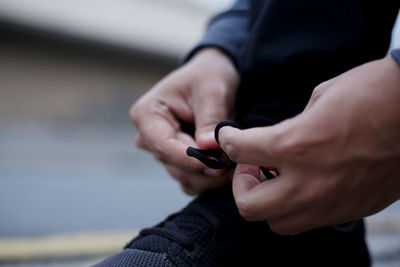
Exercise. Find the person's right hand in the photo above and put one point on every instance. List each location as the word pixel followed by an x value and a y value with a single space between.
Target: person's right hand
pixel 202 93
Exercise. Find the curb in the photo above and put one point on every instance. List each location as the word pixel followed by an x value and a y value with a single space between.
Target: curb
pixel 63 246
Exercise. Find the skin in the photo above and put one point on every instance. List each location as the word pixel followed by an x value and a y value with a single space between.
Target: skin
pixel 201 92
pixel 338 161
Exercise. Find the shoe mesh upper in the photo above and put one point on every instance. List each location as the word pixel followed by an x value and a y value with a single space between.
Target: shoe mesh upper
pixel 136 257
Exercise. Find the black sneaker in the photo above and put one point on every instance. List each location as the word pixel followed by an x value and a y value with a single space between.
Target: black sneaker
pixel 211 232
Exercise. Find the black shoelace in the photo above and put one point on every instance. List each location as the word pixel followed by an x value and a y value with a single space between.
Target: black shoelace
pixel 218 159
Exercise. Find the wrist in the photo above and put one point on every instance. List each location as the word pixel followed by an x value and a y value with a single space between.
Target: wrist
pixel 216 64
pixel 212 50
pixel 213 54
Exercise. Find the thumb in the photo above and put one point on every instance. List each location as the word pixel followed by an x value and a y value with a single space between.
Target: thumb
pixel 268 146
pixel 255 146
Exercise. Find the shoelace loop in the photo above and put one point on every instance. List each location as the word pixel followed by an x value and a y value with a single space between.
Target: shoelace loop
pixel 217 159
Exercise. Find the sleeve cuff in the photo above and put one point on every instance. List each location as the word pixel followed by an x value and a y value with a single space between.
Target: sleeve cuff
pixel 202 45
pixel 396 55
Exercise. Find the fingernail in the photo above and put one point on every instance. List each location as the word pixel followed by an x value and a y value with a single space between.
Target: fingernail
pixel 208 136
pixel 211 172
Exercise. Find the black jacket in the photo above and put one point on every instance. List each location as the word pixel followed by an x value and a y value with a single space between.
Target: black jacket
pixel 284 48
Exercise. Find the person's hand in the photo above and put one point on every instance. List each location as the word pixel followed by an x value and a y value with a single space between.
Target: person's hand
pixel 338 161
pixel 202 93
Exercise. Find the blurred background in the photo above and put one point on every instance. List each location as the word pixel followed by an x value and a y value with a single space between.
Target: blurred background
pixel 73 187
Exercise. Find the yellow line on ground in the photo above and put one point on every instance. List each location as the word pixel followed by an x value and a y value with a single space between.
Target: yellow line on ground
pixel 75 245
pixel 71 245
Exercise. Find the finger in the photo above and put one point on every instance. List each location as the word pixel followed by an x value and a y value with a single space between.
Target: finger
pixel 209 110
pixel 168 144
pixel 255 146
pixel 259 201
pixel 188 190
pixel 197 182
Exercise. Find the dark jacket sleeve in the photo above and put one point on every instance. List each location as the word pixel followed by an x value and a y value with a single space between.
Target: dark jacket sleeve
pixel 226 31
pixel 396 55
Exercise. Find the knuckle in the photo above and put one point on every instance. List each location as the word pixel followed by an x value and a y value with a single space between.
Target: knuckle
pixel 160 154
pixel 318 91
pixel 182 181
pixel 138 108
pixel 134 113
pixel 178 176
pixel 139 142
pixel 188 190
pixel 186 186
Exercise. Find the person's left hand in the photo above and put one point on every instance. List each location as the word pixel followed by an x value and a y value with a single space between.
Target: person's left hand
pixel 338 161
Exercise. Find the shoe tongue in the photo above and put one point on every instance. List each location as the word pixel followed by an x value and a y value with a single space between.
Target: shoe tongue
pixel 190 222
